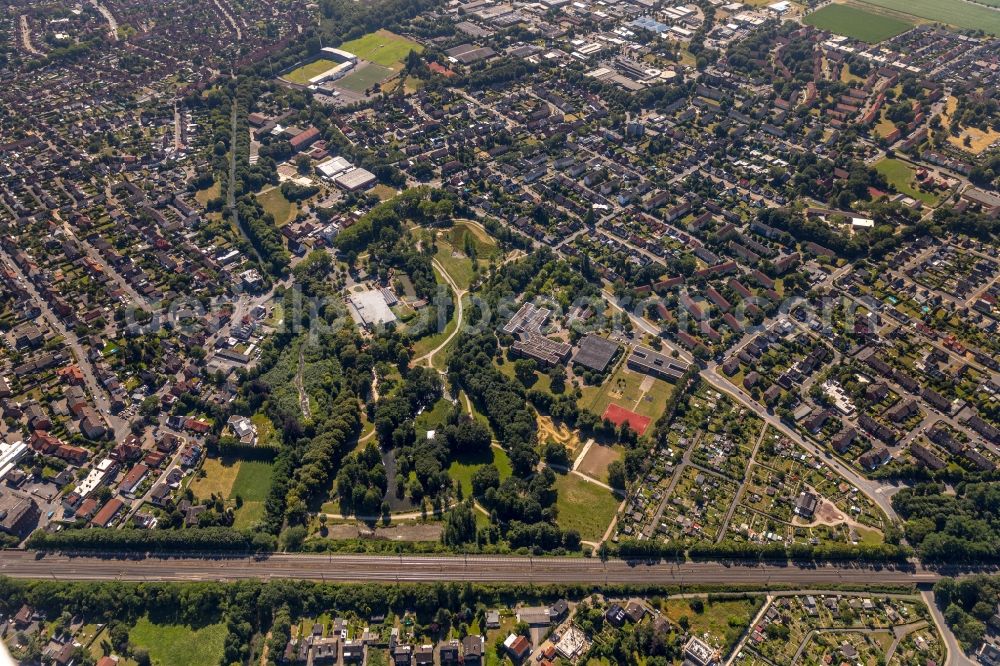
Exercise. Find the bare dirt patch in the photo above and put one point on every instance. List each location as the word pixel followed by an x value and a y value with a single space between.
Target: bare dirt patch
pixel 595 463
pixel 547 429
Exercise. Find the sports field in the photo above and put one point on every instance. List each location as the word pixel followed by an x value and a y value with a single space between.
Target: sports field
pixel 954 12
pixel 382 48
pixel 641 394
pixel 619 415
pixel 309 70
pixel 364 77
pixel 856 23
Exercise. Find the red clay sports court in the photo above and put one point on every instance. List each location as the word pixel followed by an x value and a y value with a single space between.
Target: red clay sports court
pixel 619 415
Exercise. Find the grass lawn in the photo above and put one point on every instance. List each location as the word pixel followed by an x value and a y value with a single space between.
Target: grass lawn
pixel 248 515
pixel 209 193
pixel 953 12
pixel 275 203
pixel 900 175
pixel 382 48
pixel 253 481
pixel 218 480
pixel 484 243
pixel 363 78
pixel 429 342
pixel 307 71
pixel 585 507
pixel 857 23
pixel 463 467
pixel 714 618
pixel 458 265
pixel 431 419
pixel 178 645
pixel 384 192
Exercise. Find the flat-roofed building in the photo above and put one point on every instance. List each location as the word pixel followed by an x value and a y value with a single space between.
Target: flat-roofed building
pixel 353 180
pixel 649 362
pixel 595 353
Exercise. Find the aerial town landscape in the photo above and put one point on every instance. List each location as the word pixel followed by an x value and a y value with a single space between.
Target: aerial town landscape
pixel 487 333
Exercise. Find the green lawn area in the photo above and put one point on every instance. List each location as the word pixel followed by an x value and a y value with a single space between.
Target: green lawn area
pixel 954 12
pixel 429 342
pixel 178 645
pixel 209 193
pixel 382 48
pixel 458 265
pixel 486 246
pixel 451 251
pixel 714 618
pixel 431 419
pixel 463 467
pixel 253 481
pixel 275 203
pixel 900 175
pixel 583 506
pixel 248 515
pixel 363 78
pixel 857 23
pixel 308 71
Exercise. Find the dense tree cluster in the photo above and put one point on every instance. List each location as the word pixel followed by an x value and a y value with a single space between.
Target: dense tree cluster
pixel 946 527
pixel 968 604
pixel 361 483
pixel 500 398
pixel 208 538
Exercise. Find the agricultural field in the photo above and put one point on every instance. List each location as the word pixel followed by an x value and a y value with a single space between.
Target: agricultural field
pixel 900 175
pixel 382 48
pixel 178 645
pixel 584 506
pixel 953 12
pixel 857 23
pixel 302 74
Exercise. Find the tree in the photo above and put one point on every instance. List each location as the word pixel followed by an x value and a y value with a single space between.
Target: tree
pixel 485 478
pixel 293 538
pixel 616 475
pixel 470 436
pixel 524 370
pixel 303 164
pixel 557 379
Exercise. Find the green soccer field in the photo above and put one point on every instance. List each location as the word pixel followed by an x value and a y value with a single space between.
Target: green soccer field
pixel 856 23
pixel 307 71
pixel 382 48
pixel 364 78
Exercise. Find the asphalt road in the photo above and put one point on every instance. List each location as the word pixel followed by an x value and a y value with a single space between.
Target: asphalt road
pixel 500 569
